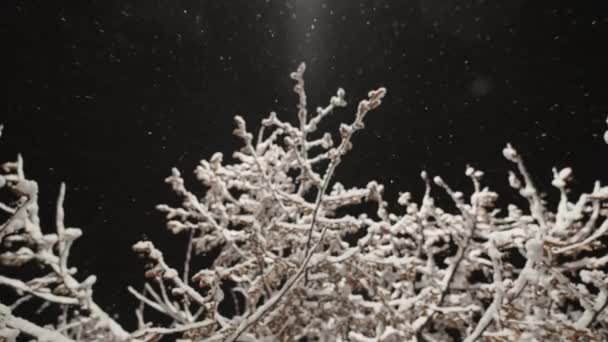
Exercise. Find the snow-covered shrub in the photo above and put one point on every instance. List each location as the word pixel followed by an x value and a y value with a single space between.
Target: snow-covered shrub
pixel 297 268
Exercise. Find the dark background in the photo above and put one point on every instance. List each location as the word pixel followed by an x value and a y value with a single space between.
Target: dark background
pixel 109 95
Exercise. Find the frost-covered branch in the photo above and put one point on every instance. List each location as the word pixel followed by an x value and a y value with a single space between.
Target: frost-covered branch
pixel 291 264
pixel 23 241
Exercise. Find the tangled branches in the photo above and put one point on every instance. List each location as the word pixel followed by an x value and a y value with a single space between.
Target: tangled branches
pixel 296 267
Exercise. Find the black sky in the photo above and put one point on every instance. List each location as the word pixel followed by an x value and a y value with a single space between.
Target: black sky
pixel 109 95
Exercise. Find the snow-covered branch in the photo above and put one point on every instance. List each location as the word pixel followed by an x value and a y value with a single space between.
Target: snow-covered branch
pixel 291 265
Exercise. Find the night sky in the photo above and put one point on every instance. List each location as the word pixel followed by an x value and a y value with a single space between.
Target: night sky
pixel 109 95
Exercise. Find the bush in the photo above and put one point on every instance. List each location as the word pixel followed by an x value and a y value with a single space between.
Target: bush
pixel 297 267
